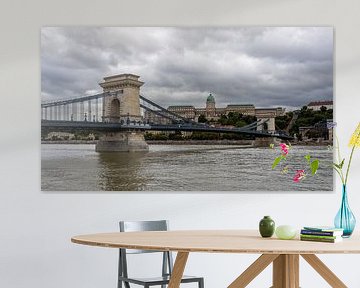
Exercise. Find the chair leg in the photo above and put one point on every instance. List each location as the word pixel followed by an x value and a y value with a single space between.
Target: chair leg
pixel 201 283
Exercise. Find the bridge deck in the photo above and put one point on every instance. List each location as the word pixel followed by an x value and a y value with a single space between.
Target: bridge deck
pixel 103 126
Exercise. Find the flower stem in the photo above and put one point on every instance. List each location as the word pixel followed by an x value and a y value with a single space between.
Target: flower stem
pixel 351 155
pixel 339 160
pixel 338 171
pixel 348 167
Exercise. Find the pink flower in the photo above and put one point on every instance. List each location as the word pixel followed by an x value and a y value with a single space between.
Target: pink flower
pixel 299 175
pixel 284 149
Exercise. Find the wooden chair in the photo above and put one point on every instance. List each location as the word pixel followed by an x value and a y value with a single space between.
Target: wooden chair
pixel 167 262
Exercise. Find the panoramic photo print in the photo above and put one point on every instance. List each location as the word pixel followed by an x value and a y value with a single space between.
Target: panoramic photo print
pixel 239 109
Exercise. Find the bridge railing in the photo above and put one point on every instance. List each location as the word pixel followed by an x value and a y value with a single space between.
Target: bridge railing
pixel 80 112
pixel 85 108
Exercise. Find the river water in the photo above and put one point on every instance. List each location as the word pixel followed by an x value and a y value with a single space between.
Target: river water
pixel 77 167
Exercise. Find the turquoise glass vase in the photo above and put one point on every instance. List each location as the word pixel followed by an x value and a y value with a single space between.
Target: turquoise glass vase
pixel 345 219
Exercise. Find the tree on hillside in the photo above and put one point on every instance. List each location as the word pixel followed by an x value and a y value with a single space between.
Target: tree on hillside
pixel 323 109
pixel 308 117
pixel 202 119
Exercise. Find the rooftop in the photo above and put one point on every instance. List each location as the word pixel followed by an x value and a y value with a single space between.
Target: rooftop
pixel 210 98
pixel 241 105
pixel 319 103
pixel 181 106
pixel 122 76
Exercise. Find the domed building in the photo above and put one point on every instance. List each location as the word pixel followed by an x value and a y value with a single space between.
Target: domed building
pixel 213 113
pixel 210 107
pixel 210 99
pixel 210 111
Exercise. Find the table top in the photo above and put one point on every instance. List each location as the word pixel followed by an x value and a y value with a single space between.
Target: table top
pixel 217 241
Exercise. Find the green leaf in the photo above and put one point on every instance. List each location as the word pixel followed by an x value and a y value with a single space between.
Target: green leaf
pixel 342 164
pixel 314 166
pixel 277 161
pixel 307 157
pixel 339 166
pixel 335 166
pixel 272 145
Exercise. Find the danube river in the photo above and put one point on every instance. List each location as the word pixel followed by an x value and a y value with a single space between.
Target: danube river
pixel 77 167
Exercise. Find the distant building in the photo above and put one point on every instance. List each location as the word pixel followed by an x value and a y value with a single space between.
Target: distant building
pixel 151 117
pixel 245 109
pixel 186 111
pixel 316 105
pixel 321 130
pixel 211 112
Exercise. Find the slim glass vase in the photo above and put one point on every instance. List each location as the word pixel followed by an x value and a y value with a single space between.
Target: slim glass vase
pixel 345 219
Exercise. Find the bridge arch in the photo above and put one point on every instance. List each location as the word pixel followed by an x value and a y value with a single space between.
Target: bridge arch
pixel 114 114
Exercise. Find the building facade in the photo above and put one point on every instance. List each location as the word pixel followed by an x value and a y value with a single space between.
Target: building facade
pixel 213 113
pixel 316 105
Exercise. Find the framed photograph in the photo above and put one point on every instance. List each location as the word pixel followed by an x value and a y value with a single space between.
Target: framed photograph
pixel 239 109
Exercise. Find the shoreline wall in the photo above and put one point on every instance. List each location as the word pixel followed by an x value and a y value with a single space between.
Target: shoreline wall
pixel 189 142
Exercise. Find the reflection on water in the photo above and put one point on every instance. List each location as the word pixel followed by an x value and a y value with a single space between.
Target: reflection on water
pixel 121 171
pixel 177 168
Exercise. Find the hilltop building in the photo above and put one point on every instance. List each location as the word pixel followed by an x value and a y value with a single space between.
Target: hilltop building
pixel 316 105
pixel 211 112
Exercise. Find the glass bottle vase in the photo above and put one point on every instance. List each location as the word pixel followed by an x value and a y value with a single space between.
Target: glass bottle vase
pixel 345 219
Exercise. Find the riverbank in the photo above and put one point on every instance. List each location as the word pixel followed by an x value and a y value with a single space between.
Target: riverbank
pixel 161 142
pixel 191 142
pixel 312 143
pixel 200 142
pixel 69 141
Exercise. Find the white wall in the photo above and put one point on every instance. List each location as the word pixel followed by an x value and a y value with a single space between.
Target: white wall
pixel 35 227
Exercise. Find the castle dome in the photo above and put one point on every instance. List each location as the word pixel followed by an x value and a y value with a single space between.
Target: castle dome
pixel 210 98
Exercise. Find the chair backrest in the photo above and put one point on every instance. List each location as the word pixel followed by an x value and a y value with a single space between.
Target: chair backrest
pixel 134 226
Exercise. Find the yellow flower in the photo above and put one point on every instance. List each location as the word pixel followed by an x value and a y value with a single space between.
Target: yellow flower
pixel 355 138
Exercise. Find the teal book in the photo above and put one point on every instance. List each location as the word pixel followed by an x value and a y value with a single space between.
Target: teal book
pixel 335 231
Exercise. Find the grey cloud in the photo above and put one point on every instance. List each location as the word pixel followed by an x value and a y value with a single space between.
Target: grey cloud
pixel 266 66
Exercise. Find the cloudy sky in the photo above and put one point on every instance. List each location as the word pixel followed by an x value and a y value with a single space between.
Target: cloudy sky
pixel 265 66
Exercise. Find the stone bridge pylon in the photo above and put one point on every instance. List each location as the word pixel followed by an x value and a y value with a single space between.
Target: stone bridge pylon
pixel 121 107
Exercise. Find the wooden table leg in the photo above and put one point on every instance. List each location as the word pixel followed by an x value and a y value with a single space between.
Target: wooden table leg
pixel 253 270
pixel 286 271
pixel 178 269
pixel 324 271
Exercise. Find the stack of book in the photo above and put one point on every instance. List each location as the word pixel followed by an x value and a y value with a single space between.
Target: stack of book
pixel 321 234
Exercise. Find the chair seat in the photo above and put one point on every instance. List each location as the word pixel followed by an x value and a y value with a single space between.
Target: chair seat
pixel 158 280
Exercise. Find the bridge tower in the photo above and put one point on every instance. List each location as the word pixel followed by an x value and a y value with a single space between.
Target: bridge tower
pixel 122 106
pixel 266 115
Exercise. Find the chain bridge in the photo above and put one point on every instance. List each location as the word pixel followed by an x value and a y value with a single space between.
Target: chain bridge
pixel 118 113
